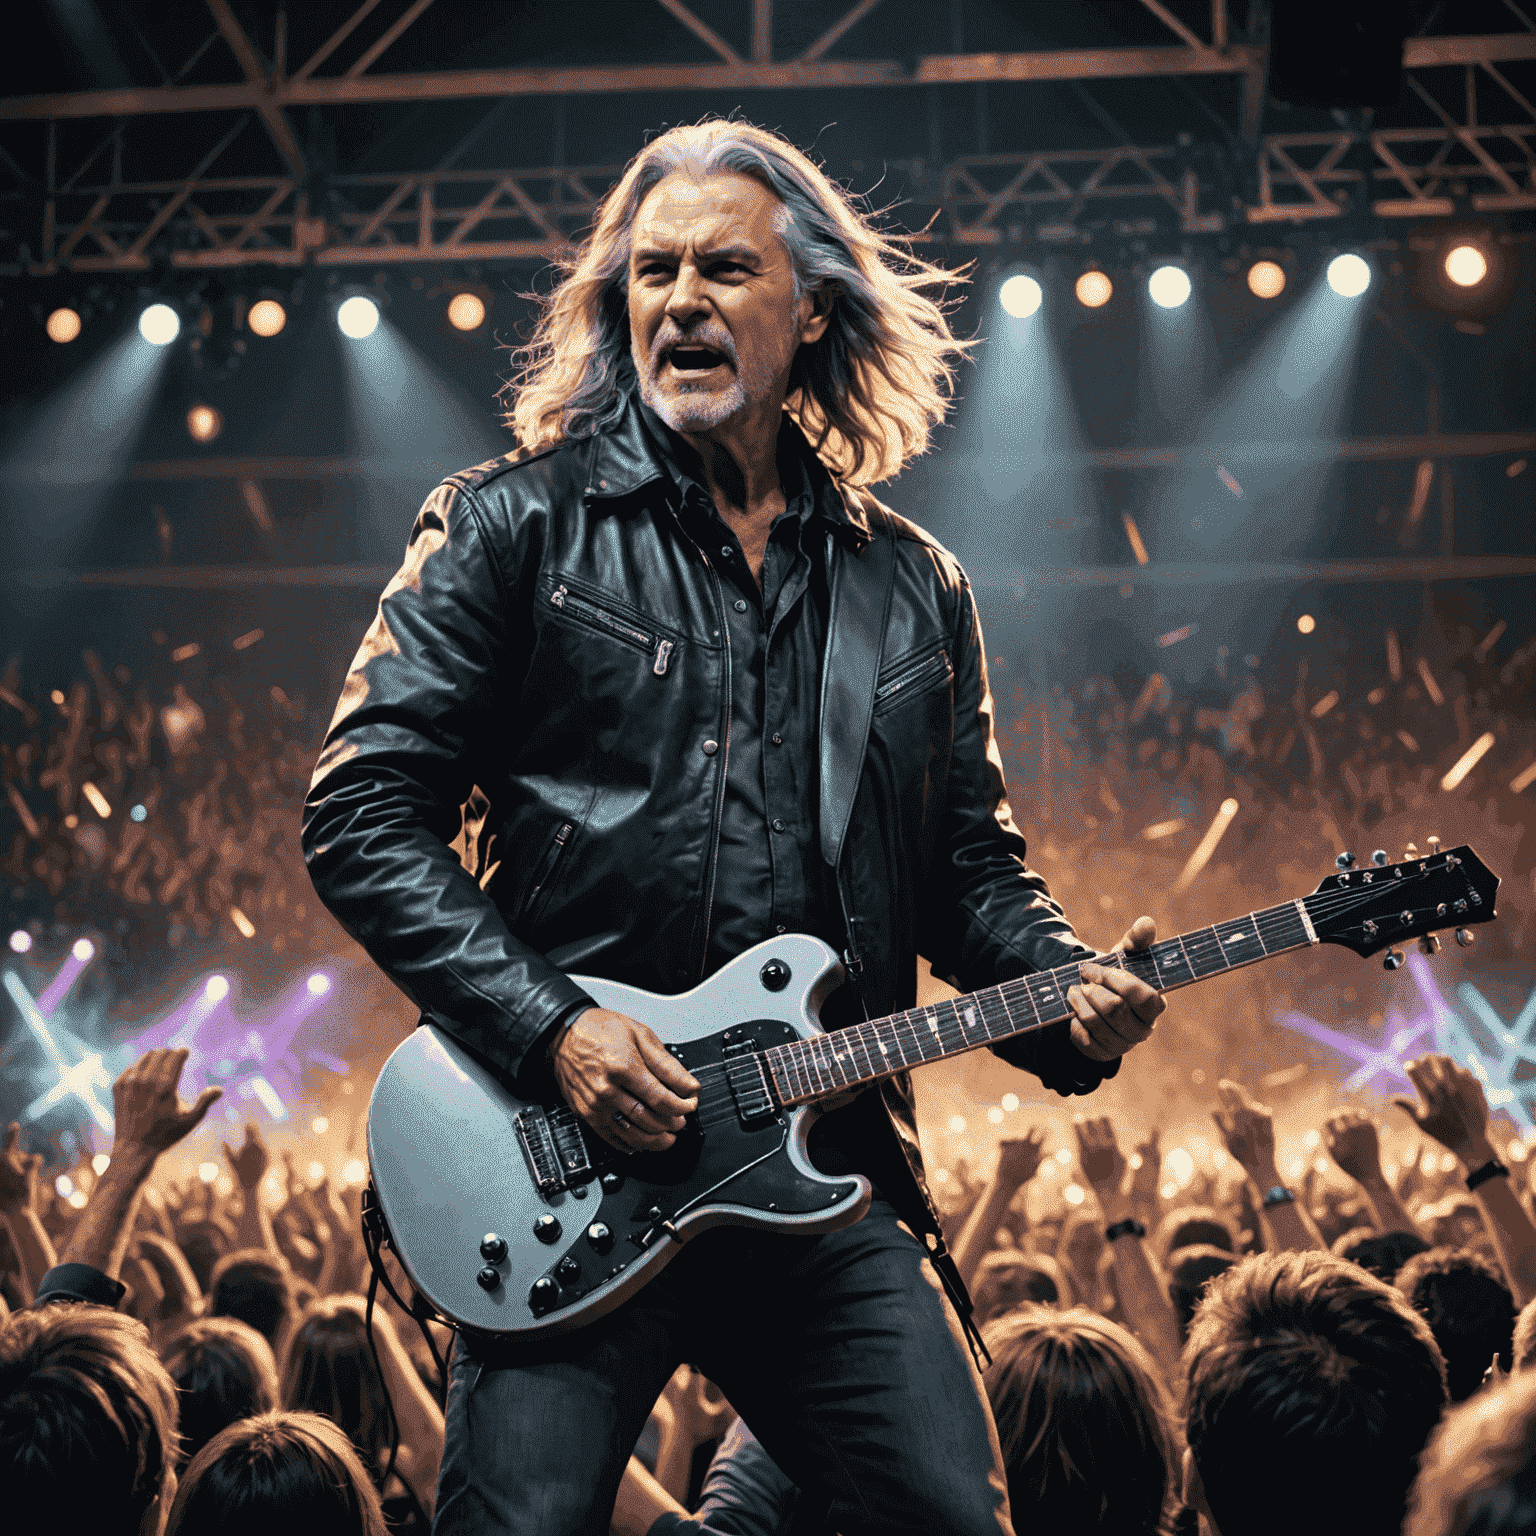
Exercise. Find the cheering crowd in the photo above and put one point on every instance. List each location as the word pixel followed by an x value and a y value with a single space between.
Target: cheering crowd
pixel 1353 1356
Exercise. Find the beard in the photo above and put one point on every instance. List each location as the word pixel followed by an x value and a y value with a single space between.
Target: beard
pixel 694 405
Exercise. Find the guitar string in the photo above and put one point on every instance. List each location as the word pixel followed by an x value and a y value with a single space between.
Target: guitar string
pixel 1270 921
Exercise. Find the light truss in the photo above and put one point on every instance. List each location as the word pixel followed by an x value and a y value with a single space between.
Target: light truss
pixel 294 218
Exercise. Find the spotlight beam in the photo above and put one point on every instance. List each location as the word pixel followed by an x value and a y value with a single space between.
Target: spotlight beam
pixel 69 1078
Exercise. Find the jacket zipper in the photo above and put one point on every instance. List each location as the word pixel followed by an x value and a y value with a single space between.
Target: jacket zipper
pixel 591 613
pixel 939 661
pixel 720 772
pixel 548 866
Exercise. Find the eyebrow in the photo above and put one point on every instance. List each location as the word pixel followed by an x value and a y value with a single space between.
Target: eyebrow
pixel 723 253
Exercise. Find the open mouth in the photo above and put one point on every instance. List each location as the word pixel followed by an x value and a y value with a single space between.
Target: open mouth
pixel 695 360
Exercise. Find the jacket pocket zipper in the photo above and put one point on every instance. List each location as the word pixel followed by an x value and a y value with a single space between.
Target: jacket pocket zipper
pixel 548 865
pixel 922 671
pixel 610 623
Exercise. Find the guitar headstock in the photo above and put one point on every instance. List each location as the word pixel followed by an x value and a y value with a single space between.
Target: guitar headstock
pixel 1381 904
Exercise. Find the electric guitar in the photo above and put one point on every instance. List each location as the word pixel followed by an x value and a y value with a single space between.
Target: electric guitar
pixel 513 1218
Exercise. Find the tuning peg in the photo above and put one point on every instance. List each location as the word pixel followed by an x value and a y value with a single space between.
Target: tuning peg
pixel 1466 938
pixel 1429 945
pixel 1392 959
pixel 1345 861
pixel 1411 851
pixel 1434 845
pixel 1379 857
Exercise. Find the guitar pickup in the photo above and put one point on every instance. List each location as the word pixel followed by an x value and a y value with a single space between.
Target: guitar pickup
pixel 748 1082
pixel 555 1148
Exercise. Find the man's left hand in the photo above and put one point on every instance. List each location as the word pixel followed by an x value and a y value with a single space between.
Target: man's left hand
pixel 1114 1011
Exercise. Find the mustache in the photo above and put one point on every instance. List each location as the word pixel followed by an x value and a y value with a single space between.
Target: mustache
pixel 716 341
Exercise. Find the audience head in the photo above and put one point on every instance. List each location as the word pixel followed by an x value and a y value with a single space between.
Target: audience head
pixel 1382 1253
pixel 1189 1269
pixel 87 1422
pixel 1306 1374
pixel 224 1371
pixel 203 1245
pixel 1189 1225
pixel 253 1286
pixel 295 1474
pixel 330 1370
pixel 1086 1428
pixel 1523 1349
pixel 1469 1310
pixel 1007 1278
pixel 1479 1472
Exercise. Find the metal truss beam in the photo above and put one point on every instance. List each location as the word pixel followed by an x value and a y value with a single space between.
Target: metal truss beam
pixel 1019 579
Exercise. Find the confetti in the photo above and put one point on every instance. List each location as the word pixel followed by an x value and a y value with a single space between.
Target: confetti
pixel 1202 854
pixel 1411 742
pixel 1325 703
pixel 1394 657
pixel 1486 644
pixel 1229 480
pixel 1133 533
pixel 23 813
pixel 186 652
pixel 1514 469
pixel 1431 687
pixel 1161 829
pixel 1467 761
pixel 1524 779
pixel 256 505
pixel 1423 478
pixel 249 638
pixel 99 802
pixel 1154 686
pixel 1175 635
pixel 242 922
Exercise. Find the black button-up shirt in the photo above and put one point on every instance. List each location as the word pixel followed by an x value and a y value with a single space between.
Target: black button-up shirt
pixel 769 875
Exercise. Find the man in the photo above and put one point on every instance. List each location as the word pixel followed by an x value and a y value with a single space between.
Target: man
pixel 634 640
pixel 1311 1390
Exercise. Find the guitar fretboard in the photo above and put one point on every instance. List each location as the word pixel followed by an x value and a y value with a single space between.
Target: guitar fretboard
pixel 805 1070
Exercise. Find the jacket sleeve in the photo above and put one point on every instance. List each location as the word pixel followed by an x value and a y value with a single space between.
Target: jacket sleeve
pixel 427 698
pixel 992 919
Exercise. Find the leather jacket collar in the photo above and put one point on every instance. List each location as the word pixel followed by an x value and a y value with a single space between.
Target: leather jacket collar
pixel 623 460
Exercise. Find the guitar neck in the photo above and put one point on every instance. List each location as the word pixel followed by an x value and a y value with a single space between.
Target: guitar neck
pixel 807 1070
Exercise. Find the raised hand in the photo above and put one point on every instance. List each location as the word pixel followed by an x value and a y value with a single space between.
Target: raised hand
pixel 1248 1128
pixel 1455 1111
pixel 250 1162
pixel 1352 1141
pixel 1099 1155
pixel 18 1174
pixel 1018 1160
pixel 1147 1174
pixel 150 1116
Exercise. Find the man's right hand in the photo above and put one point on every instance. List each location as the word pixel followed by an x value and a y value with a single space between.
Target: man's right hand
pixel 623 1082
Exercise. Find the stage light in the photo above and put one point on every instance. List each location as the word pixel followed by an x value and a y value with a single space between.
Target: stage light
pixel 83 950
pixel 1466 266
pixel 21 942
pixel 1266 279
pixel 1021 296
pixel 319 984
pixel 358 317
pixel 1093 289
pixel 63 325
pixel 1169 287
pixel 267 317
pixel 355 1171
pixel 1306 623
pixel 138 813
pixel 204 423
pixel 207 1172
pixel 65 1186
pixel 159 325
pixel 466 311
pixel 217 989
pixel 1349 275
pixel 320 1125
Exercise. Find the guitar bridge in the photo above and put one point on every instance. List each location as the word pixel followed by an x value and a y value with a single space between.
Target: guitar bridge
pixel 555 1148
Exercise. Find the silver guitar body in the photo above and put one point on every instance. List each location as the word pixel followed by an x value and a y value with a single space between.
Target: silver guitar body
pixel 512 1221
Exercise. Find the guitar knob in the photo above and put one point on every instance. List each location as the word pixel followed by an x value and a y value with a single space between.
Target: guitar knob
pixel 1429 945
pixel 1379 857
pixel 1392 959
pixel 547 1229
pixel 488 1279
pixel 544 1295
pixel 1466 938
pixel 1345 860
pixel 568 1269
pixel 612 1182
pixel 493 1249
pixel 600 1237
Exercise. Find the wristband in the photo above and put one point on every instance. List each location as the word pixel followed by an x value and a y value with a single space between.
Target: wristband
pixel 1492 1169
pixel 1278 1194
pixel 1128 1228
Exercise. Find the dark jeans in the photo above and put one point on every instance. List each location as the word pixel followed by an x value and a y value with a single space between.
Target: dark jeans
pixel 841 1352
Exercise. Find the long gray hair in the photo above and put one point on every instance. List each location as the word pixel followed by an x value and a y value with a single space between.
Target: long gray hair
pixel 866 395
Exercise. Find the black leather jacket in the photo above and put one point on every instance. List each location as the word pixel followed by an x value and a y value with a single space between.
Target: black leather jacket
pixel 553 641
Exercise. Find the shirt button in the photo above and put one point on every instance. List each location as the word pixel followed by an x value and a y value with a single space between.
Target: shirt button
pixel 725 551
pixel 778 740
pixel 741 605
pixel 778 824
pixel 779 928
pixel 710 748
